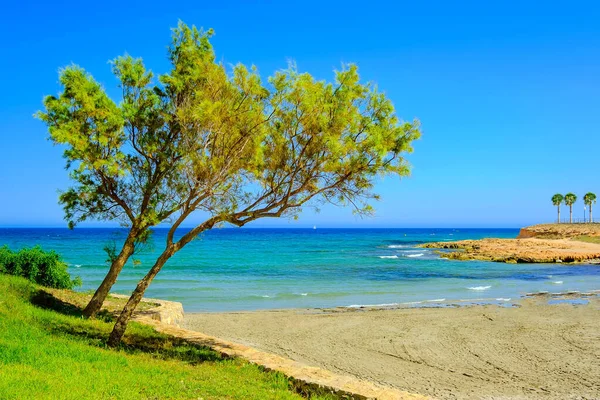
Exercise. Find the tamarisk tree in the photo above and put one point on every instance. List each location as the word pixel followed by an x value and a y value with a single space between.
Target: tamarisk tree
pixel 221 144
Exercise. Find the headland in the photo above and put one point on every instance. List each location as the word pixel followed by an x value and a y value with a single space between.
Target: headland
pixel 546 243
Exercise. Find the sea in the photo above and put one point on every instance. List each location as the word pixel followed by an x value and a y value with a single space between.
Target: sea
pixel 234 269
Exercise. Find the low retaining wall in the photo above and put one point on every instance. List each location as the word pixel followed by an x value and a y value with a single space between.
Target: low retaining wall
pixel 166 312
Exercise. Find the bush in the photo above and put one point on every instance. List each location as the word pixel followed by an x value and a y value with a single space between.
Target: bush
pixel 42 267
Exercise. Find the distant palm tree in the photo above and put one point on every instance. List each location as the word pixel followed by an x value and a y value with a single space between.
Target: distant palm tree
pixel 589 199
pixel 570 199
pixel 557 200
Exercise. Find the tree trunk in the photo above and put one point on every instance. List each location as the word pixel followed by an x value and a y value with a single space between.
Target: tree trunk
pixel 117 265
pixel 558 214
pixel 570 214
pixel 591 219
pixel 121 325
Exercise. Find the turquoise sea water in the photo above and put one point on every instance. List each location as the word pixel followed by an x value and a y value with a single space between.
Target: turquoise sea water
pixel 249 269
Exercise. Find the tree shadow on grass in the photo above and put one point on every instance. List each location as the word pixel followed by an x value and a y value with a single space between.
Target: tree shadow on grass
pixel 138 338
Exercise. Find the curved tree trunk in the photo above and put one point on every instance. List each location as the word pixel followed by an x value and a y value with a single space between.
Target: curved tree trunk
pixel 117 265
pixel 121 325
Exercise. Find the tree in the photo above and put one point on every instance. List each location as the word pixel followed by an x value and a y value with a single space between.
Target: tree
pixel 133 163
pixel 557 200
pixel 590 199
pixel 570 199
pixel 226 145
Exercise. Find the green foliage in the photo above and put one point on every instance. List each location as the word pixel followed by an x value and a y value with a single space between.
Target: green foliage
pixel 588 239
pixel 47 355
pixel 570 199
pixel 204 137
pixel 37 265
pixel 589 199
pixel 221 141
pixel 557 199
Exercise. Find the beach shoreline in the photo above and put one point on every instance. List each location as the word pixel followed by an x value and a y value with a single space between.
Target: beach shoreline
pixel 530 350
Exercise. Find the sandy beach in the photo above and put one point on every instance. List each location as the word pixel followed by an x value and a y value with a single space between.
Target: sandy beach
pixel 531 351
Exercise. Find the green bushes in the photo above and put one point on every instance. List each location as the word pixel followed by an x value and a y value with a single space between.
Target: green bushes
pixel 42 267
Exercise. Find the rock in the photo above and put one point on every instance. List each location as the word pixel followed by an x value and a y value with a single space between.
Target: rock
pixel 514 251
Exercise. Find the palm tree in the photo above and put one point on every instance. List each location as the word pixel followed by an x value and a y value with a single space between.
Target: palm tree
pixel 570 199
pixel 557 200
pixel 589 199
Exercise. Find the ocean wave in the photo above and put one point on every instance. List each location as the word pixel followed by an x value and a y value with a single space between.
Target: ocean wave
pixel 437 300
pixel 384 257
pixel 372 305
pixel 502 299
pixel 479 288
pixel 397 246
pixel 414 255
pixel 558 282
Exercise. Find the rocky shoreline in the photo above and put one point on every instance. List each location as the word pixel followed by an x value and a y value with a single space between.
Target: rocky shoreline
pixel 536 244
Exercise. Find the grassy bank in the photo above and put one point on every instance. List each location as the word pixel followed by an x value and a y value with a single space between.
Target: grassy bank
pixel 46 354
pixel 588 239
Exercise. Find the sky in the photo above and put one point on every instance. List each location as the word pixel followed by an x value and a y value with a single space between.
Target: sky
pixel 508 94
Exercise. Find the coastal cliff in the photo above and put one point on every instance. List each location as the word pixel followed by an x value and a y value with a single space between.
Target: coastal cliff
pixel 559 231
pixel 548 243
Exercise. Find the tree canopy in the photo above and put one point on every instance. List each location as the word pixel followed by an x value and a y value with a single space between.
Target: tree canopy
pixel 589 199
pixel 570 199
pixel 557 199
pixel 204 137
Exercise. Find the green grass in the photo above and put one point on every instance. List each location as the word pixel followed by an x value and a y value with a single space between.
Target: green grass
pixel 588 239
pixel 45 354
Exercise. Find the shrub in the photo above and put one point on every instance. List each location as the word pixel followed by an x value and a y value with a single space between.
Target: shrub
pixel 42 267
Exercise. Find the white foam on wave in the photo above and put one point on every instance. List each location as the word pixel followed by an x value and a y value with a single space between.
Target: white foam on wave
pixel 413 251
pixel 503 299
pixel 479 288
pixel 414 255
pixel 384 257
pixel 558 282
pixel 265 296
pixel 372 305
pixel 437 300
pixel 303 294
pixel 396 246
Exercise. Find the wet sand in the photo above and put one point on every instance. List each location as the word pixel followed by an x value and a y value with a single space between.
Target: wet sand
pixel 532 351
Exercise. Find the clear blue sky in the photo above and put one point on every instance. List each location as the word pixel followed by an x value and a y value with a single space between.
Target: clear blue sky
pixel 508 93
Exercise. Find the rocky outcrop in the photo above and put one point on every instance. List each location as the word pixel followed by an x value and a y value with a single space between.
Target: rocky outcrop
pixel 525 233
pixel 559 231
pixel 531 250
